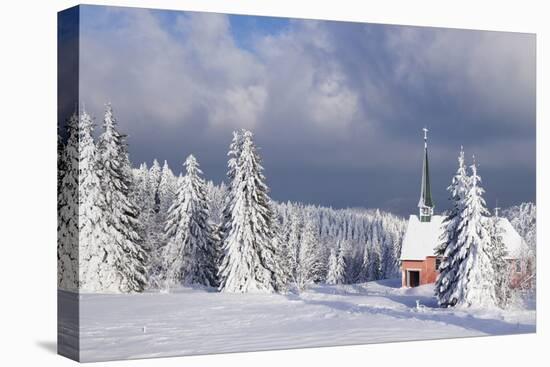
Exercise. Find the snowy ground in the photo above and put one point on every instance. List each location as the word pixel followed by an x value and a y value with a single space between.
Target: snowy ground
pixel 194 321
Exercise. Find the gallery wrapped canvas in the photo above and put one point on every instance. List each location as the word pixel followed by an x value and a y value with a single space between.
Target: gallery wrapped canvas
pixel 232 183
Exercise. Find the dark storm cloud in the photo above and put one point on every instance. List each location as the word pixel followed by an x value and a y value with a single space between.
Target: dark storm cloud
pixel 337 108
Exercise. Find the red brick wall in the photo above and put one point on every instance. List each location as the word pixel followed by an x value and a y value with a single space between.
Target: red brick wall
pixel 428 274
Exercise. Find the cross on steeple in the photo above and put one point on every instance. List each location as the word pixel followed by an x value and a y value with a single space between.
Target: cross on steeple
pixel 425 137
pixel 425 204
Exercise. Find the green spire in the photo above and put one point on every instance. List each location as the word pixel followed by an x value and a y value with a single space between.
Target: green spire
pixel 425 204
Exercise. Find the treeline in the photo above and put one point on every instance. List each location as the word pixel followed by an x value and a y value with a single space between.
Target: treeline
pixel 124 229
pixel 127 230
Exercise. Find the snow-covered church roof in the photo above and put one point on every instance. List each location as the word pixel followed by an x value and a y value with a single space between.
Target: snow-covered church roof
pixel 422 237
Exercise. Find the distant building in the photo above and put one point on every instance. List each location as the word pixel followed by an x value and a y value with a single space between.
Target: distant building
pixel 419 265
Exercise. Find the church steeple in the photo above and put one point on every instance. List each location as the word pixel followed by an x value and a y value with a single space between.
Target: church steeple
pixel 425 204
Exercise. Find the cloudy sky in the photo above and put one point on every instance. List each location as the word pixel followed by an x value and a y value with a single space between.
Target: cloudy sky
pixel 337 108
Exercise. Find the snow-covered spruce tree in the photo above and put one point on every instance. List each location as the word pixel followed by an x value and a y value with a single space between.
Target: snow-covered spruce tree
pixel 216 201
pixel 293 241
pixel 249 252
pixel 143 197
pixel 353 260
pixel 155 173
pixel 282 276
pixel 386 257
pixel 162 191
pixel 190 252
pixel 67 217
pixel 167 190
pixel 153 220
pixel 124 250
pixel 336 265
pixel 470 276
pixel 449 246
pixel 457 189
pixel 498 252
pixel 97 253
pixel 234 153
pixel 374 256
pixel 363 275
pixel 307 269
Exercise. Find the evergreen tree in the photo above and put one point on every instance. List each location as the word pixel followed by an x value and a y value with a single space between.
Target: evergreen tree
pixel 120 213
pixel 449 245
pixel 67 202
pixel 374 256
pixel 468 275
pixel 154 183
pixel 143 196
pixel 167 190
pixel 153 222
pixel 249 254
pixel 307 269
pixel 498 253
pixel 234 154
pixel 457 190
pixel 336 266
pixel 216 200
pixel 386 257
pixel 191 252
pixel 293 242
pixel 98 256
pixel 282 272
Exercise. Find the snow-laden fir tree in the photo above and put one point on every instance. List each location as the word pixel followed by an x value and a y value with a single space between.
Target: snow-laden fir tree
pixel 190 253
pixel 123 250
pixel 308 265
pixel 234 154
pixel 216 200
pixel 469 276
pixel 354 264
pixel 142 196
pixel 155 173
pixel 98 253
pixel 336 265
pixel 374 256
pixel 167 190
pixel 448 247
pixel 293 239
pixel 282 276
pixel 386 257
pixel 457 189
pixel 498 252
pixel 67 202
pixel 150 228
pixel 249 252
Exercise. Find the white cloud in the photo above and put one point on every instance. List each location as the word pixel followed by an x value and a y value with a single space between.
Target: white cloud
pixel 333 94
